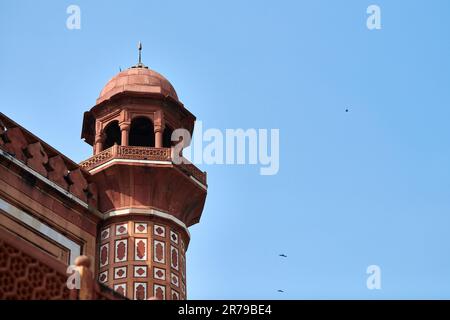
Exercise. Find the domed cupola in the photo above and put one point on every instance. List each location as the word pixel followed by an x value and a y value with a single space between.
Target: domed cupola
pixel 138 106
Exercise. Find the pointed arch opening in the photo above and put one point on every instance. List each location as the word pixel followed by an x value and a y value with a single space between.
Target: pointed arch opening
pixel 142 133
pixel 112 135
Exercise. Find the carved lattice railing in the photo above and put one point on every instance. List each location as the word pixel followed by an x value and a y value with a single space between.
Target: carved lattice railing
pixel 142 153
pixel 98 159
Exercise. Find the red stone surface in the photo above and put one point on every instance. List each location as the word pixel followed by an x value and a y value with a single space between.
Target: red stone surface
pixel 131 185
pixel 16 143
pixel 159 294
pixel 159 251
pixel 140 271
pixel 174 259
pixel 140 249
pixel 137 80
pixel 103 255
pixel 58 172
pixel 121 251
pixel 140 292
pixel 121 291
pixel 37 158
pixel 78 184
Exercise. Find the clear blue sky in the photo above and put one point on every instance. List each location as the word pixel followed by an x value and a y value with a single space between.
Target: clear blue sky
pixel 368 186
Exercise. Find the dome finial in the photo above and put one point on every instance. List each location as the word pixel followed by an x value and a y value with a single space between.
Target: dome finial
pixel 140 64
pixel 140 52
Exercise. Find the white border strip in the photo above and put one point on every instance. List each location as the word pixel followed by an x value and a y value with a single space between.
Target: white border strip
pixel 198 182
pixel 74 248
pixel 147 212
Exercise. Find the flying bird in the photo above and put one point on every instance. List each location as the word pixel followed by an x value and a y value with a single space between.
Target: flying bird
pixel 283 255
pixel 280 291
pixel 346 110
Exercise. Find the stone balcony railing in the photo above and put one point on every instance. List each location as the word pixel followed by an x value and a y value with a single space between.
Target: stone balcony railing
pixel 142 153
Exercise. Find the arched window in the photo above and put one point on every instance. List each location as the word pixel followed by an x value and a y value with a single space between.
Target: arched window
pixel 142 133
pixel 167 137
pixel 112 133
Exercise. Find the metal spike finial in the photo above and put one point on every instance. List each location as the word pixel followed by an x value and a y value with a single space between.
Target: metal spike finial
pixel 140 53
pixel 140 64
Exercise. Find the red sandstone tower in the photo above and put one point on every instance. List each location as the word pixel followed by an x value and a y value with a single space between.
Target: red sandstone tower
pixel 147 202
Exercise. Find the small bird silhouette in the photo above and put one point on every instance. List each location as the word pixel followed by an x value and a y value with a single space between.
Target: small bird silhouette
pixel 346 110
pixel 283 255
pixel 280 291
